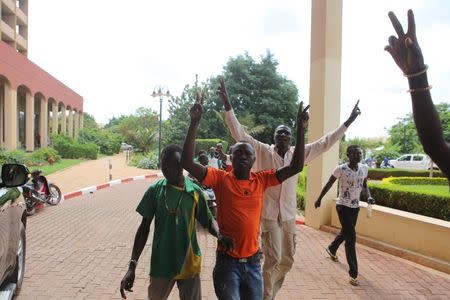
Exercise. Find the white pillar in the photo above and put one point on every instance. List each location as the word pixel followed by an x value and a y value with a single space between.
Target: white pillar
pixel 55 118
pixel 43 122
pixel 81 120
pixel 63 120
pixel 11 119
pixel 71 123
pixel 77 124
pixel 325 100
pixel 29 122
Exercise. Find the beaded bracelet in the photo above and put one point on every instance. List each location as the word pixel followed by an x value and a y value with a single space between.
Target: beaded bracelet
pixel 416 74
pixel 424 89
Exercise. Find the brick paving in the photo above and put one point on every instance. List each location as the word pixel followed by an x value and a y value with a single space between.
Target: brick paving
pixel 80 250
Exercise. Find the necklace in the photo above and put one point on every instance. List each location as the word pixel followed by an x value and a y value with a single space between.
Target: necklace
pixel 176 210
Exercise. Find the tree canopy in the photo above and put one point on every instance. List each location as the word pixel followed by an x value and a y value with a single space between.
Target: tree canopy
pixel 261 97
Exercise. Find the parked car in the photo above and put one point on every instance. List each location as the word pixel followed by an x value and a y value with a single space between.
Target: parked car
pixel 412 161
pixel 125 146
pixel 13 220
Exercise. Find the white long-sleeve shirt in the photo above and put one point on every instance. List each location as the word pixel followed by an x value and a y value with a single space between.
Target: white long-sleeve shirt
pixel 280 201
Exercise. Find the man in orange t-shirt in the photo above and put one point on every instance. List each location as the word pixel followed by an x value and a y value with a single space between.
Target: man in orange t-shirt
pixel 239 194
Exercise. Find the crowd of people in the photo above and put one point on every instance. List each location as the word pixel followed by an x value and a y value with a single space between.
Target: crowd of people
pixel 254 188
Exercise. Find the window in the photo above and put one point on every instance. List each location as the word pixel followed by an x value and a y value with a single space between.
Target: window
pixel 405 158
pixel 417 158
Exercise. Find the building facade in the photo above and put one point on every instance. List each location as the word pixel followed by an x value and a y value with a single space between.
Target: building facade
pixel 33 104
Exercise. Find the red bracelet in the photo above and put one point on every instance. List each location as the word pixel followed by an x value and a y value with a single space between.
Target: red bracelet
pixel 424 89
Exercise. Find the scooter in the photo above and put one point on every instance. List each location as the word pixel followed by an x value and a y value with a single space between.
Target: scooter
pixel 40 191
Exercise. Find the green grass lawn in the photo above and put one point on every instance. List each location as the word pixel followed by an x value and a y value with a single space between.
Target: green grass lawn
pixel 61 165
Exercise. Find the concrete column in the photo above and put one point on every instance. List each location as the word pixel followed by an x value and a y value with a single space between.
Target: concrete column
pixel 63 120
pixel 71 123
pixel 43 122
pixel 55 118
pixel 77 124
pixel 29 122
pixel 324 97
pixel 11 119
pixel 81 120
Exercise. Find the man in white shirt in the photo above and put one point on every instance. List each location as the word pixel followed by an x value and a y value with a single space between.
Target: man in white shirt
pixel 352 178
pixel 280 203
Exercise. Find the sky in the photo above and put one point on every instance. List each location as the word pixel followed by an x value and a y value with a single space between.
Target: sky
pixel 116 53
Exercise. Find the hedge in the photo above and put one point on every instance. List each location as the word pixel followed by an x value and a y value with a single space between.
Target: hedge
pixel 69 148
pixel 301 189
pixel 379 174
pixel 419 203
pixel 205 144
pixel 415 181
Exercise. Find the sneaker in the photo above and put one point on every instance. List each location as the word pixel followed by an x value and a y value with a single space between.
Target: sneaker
pixel 332 256
pixel 354 281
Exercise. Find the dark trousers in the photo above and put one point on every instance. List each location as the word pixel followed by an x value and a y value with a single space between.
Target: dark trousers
pixel 348 217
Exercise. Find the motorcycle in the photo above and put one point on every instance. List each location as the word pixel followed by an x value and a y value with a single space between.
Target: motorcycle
pixel 40 191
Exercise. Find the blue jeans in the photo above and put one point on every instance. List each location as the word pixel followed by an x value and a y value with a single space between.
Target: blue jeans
pixel 234 279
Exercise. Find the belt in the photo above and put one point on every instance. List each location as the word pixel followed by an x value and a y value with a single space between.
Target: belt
pixel 254 257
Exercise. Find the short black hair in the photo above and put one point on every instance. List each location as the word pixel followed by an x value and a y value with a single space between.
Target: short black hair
pixel 351 147
pixel 170 150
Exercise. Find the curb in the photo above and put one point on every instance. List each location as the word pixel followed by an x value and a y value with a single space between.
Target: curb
pixel 91 189
pixel 300 221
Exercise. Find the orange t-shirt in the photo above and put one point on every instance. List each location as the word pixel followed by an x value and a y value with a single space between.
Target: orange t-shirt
pixel 239 204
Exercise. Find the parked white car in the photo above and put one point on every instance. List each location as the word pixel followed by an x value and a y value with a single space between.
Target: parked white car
pixel 412 161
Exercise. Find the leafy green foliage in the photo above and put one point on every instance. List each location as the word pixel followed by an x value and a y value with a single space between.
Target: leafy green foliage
pixel 69 148
pixel 140 130
pixel 148 161
pixel 44 155
pixel 205 144
pixel 301 189
pixel 415 180
pixel 404 133
pixel 378 174
pixel 89 121
pixel 107 141
pixel 396 196
pixel 262 99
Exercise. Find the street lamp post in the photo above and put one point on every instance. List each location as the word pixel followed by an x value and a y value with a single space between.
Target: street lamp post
pixel 162 91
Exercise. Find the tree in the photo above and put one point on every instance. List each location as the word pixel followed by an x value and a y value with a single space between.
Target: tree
pixel 258 94
pixel 140 129
pixel 89 121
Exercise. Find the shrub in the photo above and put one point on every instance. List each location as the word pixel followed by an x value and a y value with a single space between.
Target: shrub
pixel 13 156
pixel 43 155
pixel 415 181
pixel 69 148
pixel 301 189
pixel 205 144
pixel 419 203
pixel 108 142
pixel 149 161
pixel 379 174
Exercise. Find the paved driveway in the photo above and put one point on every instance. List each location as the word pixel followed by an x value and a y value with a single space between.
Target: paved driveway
pixel 80 250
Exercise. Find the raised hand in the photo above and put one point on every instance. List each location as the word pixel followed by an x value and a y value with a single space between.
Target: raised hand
pixel 355 112
pixel 223 94
pixel 197 109
pixel 353 115
pixel 127 283
pixel 317 203
pixel 302 116
pixel 405 49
